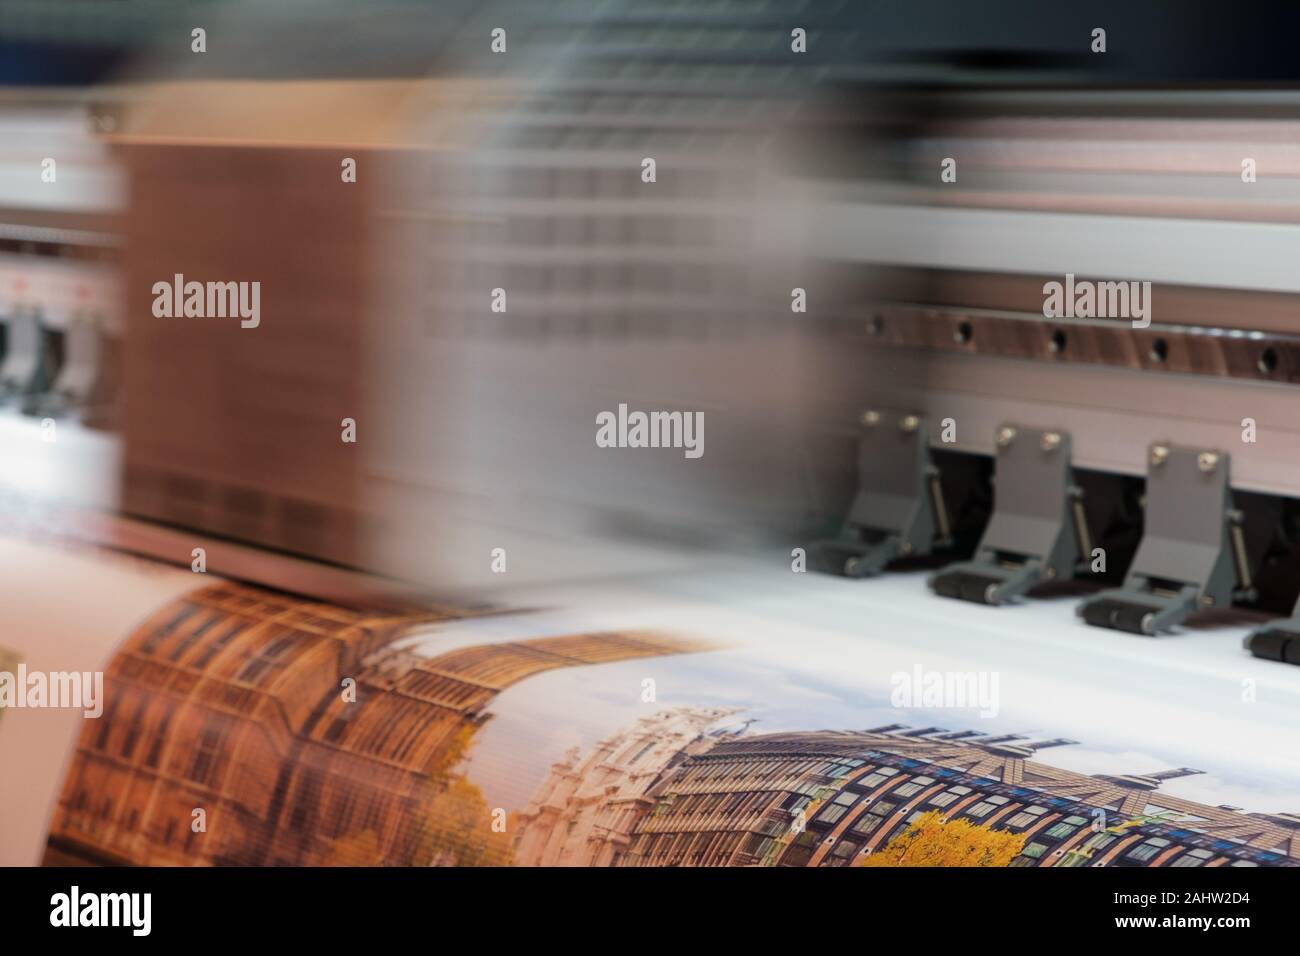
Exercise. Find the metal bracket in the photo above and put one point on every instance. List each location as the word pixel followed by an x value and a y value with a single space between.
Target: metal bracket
pixel 26 366
pixel 82 379
pixel 1192 554
pixel 1037 532
pixel 898 510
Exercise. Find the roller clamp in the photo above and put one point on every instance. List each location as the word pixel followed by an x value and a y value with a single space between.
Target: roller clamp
pixel 898 510
pixel 1192 555
pixel 82 379
pixel 1037 532
pixel 27 366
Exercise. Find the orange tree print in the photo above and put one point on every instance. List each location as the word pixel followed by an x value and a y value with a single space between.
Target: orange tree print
pixel 935 841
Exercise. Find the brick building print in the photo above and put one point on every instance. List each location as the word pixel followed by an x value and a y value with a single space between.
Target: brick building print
pixel 230 701
pixel 585 811
pixel 830 798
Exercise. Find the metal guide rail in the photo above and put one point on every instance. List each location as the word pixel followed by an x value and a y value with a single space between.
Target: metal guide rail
pixel 1236 353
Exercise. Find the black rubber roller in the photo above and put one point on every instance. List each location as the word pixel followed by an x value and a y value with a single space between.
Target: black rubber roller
pixel 836 559
pixel 1276 646
pixel 1120 616
pixel 965 586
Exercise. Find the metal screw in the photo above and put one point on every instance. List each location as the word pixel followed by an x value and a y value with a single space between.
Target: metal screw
pixel 1207 461
pixel 1051 441
pixel 870 418
pixel 1006 435
pixel 909 423
pixel 1159 454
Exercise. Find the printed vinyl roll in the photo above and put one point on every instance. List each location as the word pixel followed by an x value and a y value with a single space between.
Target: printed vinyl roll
pixel 65 610
pixel 241 725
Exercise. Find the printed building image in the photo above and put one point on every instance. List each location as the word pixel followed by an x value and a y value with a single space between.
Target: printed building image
pixel 229 737
pixel 831 798
pixel 246 727
pixel 585 810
